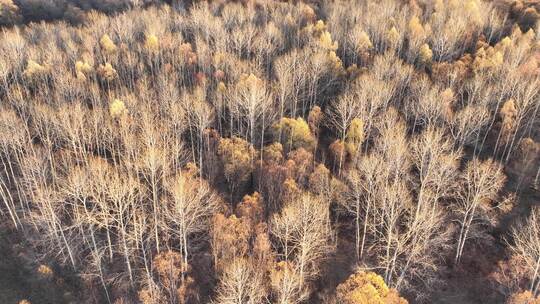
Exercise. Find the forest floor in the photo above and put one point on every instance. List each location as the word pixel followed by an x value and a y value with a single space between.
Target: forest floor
pixel 19 279
pixel 13 277
pixel 472 282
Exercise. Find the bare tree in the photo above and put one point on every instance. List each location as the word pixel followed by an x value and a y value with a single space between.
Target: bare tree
pixel 287 284
pixel 303 233
pixel 122 192
pixel 200 116
pixel 525 243
pixel 481 182
pixel 361 197
pixel 241 283
pixel 249 102
pixel 437 165
pixel 190 209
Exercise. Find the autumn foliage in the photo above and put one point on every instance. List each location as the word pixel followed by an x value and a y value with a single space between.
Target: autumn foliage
pixel 367 287
pixel 283 152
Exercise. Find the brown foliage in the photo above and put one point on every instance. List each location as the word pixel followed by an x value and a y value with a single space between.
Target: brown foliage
pixel 230 239
pixel 251 208
pixel 173 277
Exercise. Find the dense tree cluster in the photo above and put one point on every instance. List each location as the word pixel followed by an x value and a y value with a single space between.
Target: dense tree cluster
pixel 14 12
pixel 274 152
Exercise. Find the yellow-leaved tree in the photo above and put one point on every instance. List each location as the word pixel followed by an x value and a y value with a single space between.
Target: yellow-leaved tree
pixel 237 158
pixel 425 54
pixel 117 108
pixel 294 134
pixel 151 43
pixel 367 288
pixel 107 45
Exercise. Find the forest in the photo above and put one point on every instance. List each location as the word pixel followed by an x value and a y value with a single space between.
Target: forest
pixel 269 152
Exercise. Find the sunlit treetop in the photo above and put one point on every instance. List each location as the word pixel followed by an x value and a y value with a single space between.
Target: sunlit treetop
pixel 367 288
pixel 250 82
pixel 82 69
pixel 34 69
pixel 425 54
pixel 106 72
pixel 294 133
pixel 363 42
pixel 107 45
pixel 326 42
pixel 117 108
pixel 415 27
pixel 151 43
